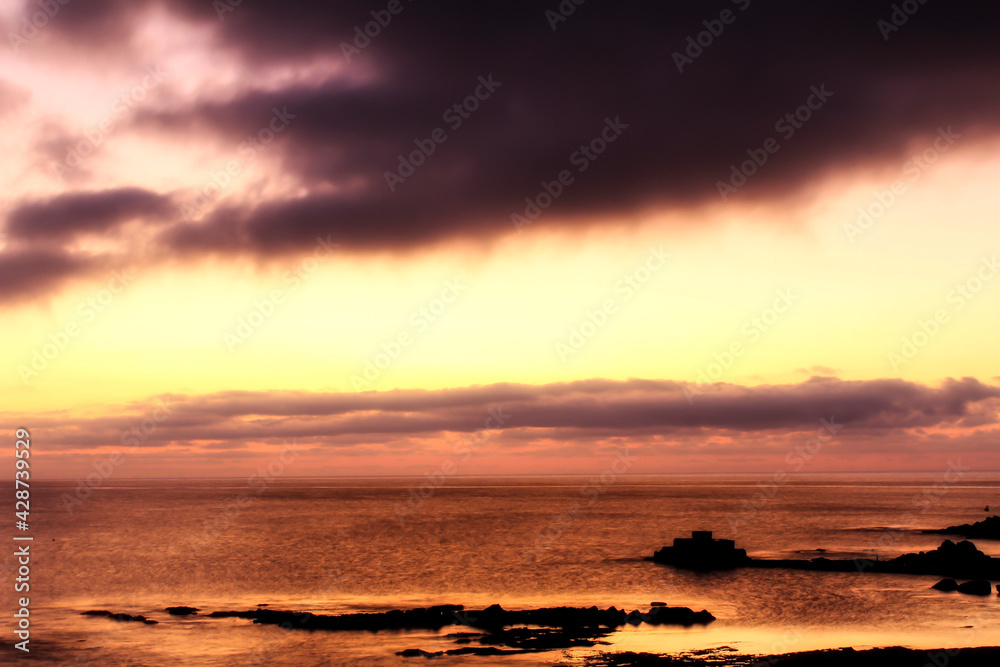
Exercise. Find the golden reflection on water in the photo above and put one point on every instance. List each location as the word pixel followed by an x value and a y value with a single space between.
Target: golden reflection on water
pixel 778 640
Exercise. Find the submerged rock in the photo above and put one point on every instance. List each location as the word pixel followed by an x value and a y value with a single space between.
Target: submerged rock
pixel 418 653
pixel 181 611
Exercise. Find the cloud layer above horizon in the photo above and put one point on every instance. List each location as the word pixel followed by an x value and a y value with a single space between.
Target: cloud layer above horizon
pixel 738 428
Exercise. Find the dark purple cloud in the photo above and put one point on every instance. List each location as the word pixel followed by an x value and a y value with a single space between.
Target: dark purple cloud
pixel 557 88
pixel 568 412
pixel 25 273
pixel 62 217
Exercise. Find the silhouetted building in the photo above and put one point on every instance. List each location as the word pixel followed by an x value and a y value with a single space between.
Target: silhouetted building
pixel 701 552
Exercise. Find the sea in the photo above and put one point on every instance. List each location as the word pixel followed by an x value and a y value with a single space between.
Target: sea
pixel 344 545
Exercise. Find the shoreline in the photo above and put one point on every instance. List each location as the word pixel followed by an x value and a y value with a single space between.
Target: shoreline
pixel 889 656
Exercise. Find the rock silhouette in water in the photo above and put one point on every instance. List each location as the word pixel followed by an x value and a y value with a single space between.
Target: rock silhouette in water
pixel 123 618
pixel 959 561
pixel 976 587
pixel 987 529
pixel 494 616
pixel 946 585
pixel 521 630
pixel 181 611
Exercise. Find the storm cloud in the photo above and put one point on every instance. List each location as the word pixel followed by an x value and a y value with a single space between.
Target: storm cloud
pixel 692 89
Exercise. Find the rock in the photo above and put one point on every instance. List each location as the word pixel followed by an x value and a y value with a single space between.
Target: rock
pixel 418 653
pixel 122 618
pixel 976 587
pixel 958 561
pixel 946 585
pixel 962 560
pixel 487 650
pixel 181 611
pixel 516 631
pixel 525 629
pixel 677 616
pixel 988 529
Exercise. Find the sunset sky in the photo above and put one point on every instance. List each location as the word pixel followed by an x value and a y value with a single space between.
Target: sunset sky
pixel 253 224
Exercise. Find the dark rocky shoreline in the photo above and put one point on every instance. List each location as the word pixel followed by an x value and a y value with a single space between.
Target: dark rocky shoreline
pixel 491 631
pixel 894 656
pixel 492 617
pixel 497 631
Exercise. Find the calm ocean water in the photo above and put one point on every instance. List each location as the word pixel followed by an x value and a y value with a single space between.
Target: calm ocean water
pixel 338 545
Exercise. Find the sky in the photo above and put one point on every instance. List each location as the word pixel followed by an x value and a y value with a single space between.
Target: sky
pixel 512 238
